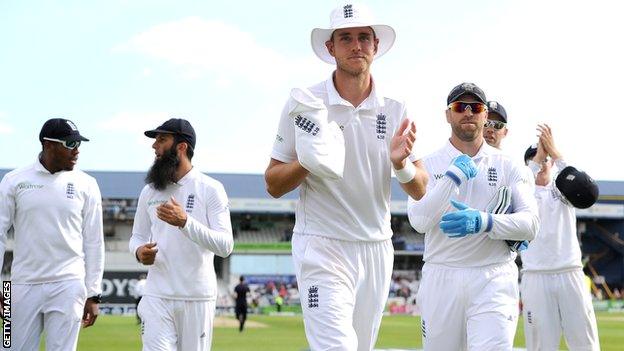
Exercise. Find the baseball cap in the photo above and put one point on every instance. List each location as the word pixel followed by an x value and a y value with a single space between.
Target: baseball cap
pixel 496 107
pixel 61 129
pixel 530 152
pixel 466 89
pixel 176 126
pixel 577 187
pixel 349 16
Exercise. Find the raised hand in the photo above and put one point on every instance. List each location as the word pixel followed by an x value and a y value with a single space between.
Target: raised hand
pixel 547 141
pixel 402 143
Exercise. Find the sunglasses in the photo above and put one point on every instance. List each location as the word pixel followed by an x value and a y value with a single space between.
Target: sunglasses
pixel 71 144
pixel 460 106
pixel 498 125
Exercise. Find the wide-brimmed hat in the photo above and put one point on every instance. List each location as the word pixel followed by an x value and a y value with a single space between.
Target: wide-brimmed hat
pixel 350 16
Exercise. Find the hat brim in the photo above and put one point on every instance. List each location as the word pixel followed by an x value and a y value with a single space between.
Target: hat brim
pixel 74 137
pixel 320 36
pixel 152 133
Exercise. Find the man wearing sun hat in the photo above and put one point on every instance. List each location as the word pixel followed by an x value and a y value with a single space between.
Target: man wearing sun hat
pixel 58 259
pixel 342 247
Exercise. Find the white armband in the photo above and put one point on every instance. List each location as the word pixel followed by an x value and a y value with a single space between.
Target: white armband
pixel 405 174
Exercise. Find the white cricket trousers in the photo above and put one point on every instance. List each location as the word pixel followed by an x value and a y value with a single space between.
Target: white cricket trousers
pixel 176 325
pixel 54 307
pixel 344 288
pixel 469 308
pixel 556 302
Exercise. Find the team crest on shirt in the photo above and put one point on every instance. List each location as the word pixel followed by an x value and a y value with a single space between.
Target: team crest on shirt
pixel 380 128
pixel 313 297
pixel 492 176
pixel 190 203
pixel 70 191
pixel 306 125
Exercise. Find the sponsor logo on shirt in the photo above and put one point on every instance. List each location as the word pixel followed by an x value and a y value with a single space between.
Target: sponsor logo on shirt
pixel 306 125
pixel 492 176
pixel 313 299
pixel 279 138
pixel 28 186
pixel 156 202
pixel 190 203
pixel 71 190
pixel 381 126
pixel 438 176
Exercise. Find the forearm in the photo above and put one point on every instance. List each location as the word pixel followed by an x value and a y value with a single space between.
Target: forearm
pixel 94 267
pixel 136 241
pixel 282 178
pixel 417 187
pixel 426 213
pixel 515 226
pixel 219 240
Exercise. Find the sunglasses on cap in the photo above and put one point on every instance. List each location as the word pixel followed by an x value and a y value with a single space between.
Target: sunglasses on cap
pixel 71 144
pixel 460 106
pixel 498 125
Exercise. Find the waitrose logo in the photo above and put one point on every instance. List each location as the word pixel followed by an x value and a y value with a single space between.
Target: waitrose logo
pixel 28 186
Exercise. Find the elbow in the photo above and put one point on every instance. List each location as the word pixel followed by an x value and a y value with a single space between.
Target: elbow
pixel 275 193
pixel 535 227
pixel 227 249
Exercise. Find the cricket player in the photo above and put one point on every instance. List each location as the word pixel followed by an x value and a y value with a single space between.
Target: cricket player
pixel 342 247
pixel 468 295
pixel 554 294
pixel 496 124
pixel 182 221
pixel 58 259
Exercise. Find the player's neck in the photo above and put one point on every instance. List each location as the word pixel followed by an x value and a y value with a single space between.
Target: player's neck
pixel 183 169
pixel 469 148
pixel 353 88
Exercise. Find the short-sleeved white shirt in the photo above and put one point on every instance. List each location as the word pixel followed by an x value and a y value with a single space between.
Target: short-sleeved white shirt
pixel 357 207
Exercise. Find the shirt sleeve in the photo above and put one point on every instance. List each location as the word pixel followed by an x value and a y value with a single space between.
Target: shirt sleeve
pixel 7 213
pixel 284 144
pixel 523 221
pixel 141 229
pixel 217 237
pixel 425 213
pixel 93 240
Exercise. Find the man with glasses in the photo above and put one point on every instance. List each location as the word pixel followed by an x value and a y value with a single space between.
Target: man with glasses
pixel 554 295
pixel 182 221
pixel 342 247
pixel 58 257
pixel 496 125
pixel 468 295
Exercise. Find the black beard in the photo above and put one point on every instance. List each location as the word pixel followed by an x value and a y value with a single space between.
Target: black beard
pixel 162 172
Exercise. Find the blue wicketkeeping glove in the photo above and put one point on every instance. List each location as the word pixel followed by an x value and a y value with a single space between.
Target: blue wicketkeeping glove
pixel 465 221
pixel 461 169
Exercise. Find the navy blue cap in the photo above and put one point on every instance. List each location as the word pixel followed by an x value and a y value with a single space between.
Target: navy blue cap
pixel 530 152
pixel 577 187
pixel 176 126
pixel 61 129
pixel 496 107
pixel 466 89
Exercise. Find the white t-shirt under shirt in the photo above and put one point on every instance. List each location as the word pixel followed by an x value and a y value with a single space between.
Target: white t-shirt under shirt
pixel 57 220
pixel 357 207
pixel 474 250
pixel 184 268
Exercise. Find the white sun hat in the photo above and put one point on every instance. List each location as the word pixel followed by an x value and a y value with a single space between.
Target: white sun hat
pixel 350 16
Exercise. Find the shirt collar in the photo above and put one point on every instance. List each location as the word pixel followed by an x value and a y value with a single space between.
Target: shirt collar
pixel 374 99
pixel 483 152
pixel 192 174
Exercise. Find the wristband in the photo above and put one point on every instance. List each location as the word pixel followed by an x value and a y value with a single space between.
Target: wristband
pixel 405 174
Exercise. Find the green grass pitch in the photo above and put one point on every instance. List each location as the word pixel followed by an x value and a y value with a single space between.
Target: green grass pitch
pixel 282 333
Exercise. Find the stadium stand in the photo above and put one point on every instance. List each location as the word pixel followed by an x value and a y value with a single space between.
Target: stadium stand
pixel 262 229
